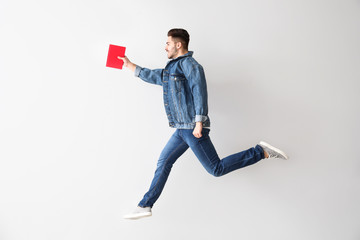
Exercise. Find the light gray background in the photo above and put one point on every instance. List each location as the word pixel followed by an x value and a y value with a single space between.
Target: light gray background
pixel 79 142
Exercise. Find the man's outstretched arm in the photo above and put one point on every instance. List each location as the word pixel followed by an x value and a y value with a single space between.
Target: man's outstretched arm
pixel 148 75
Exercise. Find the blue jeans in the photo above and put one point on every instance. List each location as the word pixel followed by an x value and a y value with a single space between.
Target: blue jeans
pixel 204 150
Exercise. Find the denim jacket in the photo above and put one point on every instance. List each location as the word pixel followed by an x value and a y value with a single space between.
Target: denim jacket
pixel 184 90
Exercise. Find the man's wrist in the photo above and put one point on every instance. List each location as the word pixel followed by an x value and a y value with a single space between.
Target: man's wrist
pixel 131 66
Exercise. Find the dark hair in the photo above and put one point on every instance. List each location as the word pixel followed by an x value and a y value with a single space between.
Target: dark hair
pixel 180 34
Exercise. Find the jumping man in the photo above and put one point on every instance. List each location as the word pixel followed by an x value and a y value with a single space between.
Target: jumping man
pixel 186 105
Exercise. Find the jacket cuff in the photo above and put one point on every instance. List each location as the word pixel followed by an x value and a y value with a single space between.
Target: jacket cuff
pixel 137 71
pixel 200 118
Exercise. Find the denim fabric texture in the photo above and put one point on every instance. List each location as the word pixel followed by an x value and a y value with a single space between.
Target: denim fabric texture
pixel 204 150
pixel 184 90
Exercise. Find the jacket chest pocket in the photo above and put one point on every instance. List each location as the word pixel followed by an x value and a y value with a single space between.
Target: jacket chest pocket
pixel 178 81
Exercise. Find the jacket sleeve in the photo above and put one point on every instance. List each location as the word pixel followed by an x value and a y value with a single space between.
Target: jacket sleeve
pixel 148 75
pixel 196 78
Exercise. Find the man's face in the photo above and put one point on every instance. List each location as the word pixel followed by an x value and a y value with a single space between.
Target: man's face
pixel 171 49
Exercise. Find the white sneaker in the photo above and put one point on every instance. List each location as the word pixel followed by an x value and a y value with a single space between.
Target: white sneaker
pixel 273 151
pixel 139 212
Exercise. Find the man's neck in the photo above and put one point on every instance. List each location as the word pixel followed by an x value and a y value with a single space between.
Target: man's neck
pixel 181 52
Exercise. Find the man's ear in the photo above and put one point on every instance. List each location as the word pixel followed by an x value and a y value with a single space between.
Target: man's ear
pixel 178 45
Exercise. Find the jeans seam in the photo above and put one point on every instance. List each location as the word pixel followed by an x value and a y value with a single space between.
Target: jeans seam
pixel 206 154
pixel 166 161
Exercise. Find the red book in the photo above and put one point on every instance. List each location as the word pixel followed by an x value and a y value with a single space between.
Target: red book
pixel 112 59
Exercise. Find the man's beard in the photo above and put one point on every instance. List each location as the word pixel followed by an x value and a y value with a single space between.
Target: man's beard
pixel 172 56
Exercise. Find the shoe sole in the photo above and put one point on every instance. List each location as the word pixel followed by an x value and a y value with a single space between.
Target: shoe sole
pixel 274 149
pixel 138 216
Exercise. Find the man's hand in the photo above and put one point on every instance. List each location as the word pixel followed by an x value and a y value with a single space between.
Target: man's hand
pixel 128 63
pixel 197 130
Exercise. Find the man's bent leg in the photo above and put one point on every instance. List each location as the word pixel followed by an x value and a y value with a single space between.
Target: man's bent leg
pixel 172 151
pixel 206 153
